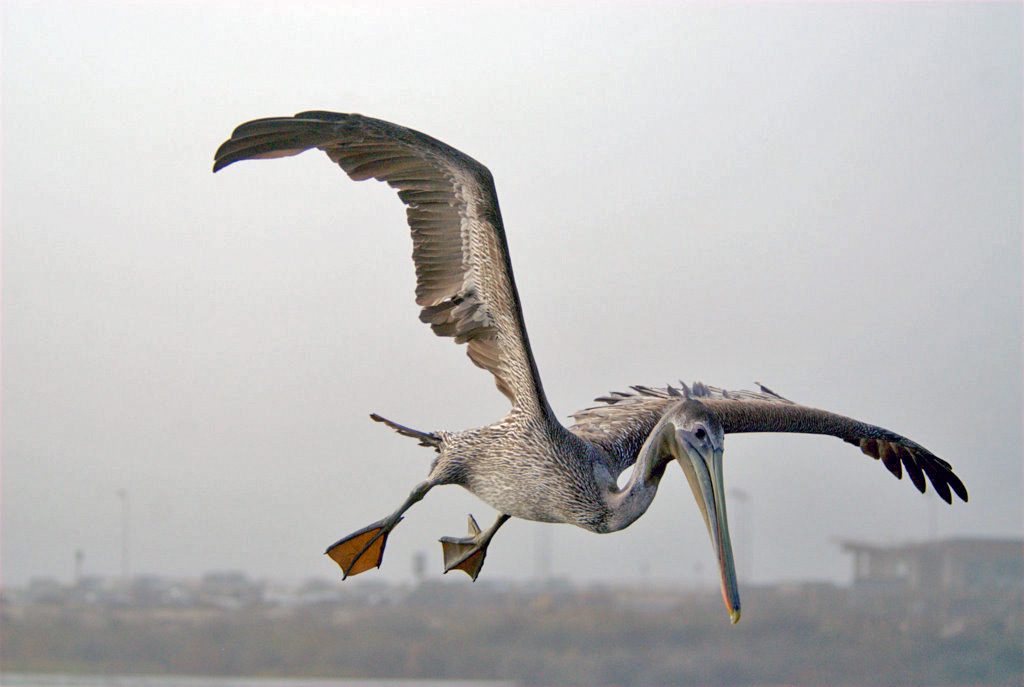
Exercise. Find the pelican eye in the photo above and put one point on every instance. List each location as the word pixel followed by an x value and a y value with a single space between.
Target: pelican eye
pixel 700 433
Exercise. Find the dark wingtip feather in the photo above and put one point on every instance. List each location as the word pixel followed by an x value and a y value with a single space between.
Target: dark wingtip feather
pixel 940 474
pixel 958 487
pixel 914 471
pixel 282 135
pixel 223 161
pixel 939 481
pixel 890 458
pixel 895 451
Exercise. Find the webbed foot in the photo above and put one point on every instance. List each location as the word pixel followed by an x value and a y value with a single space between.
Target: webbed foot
pixel 468 553
pixel 362 550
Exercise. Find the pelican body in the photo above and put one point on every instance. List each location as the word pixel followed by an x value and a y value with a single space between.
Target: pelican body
pixel 528 465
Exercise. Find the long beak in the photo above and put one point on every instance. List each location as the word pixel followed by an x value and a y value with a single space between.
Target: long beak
pixel 704 473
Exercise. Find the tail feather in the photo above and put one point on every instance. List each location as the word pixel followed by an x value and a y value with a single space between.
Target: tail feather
pixel 428 439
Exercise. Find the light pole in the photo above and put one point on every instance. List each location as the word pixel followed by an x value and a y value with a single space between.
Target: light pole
pixel 123 495
pixel 79 564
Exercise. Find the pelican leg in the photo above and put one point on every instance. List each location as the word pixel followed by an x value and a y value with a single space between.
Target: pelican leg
pixel 467 553
pixel 363 549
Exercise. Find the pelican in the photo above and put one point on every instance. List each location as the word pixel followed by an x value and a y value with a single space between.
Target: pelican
pixel 527 464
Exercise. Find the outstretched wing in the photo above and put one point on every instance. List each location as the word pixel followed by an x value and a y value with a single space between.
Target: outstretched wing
pixel 464 278
pixel 623 423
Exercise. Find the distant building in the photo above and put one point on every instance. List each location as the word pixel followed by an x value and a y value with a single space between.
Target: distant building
pixel 951 570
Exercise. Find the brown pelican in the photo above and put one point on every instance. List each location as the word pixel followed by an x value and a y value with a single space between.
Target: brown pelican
pixel 527 464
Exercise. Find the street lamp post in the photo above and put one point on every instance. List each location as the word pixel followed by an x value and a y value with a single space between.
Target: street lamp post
pixel 123 495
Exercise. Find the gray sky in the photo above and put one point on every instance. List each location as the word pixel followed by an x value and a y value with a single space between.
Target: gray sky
pixel 822 197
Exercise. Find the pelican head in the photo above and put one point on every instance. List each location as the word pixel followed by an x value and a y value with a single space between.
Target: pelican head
pixel 693 437
pixel 697 443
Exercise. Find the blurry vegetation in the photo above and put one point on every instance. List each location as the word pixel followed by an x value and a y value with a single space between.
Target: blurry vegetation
pixel 579 638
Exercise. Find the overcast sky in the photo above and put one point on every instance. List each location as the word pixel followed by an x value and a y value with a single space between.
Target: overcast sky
pixel 825 198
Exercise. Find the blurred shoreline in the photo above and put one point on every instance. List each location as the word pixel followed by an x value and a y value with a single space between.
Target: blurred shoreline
pixel 531 634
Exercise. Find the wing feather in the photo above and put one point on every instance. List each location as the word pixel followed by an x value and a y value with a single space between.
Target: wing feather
pixel 623 423
pixel 464 281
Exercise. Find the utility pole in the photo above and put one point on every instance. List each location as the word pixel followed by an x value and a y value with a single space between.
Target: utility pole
pixel 419 567
pixel 123 495
pixel 79 563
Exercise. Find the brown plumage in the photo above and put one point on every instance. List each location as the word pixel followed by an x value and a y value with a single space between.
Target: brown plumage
pixel 528 464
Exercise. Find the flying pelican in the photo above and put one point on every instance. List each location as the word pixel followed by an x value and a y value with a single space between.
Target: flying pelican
pixel 527 464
